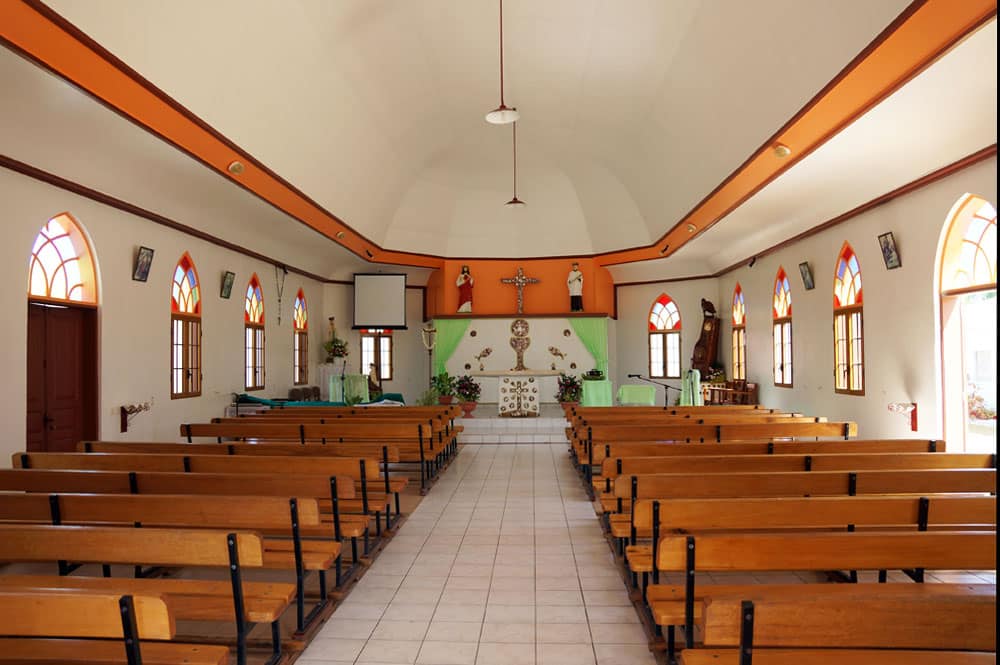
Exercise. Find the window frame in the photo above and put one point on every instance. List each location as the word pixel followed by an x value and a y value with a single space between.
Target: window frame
pixel 254 340
pixel 848 327
pixel 187 323
pixel 739 336
pixel 300 341
pixel 379 337
pixel 667 337
pixel 782 346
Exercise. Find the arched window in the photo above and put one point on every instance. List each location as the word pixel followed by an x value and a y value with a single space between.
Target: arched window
pixel 61 267
pixel 376 347
pixel 185 330
pixel 664 338
pixel 970 251
pixel 253 318
pixel 739 335
pixel 848 325
pixel 781 313
pixel 968 278
pixel 300 341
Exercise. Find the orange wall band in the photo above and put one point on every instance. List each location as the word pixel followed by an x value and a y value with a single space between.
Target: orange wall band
pixel 922 33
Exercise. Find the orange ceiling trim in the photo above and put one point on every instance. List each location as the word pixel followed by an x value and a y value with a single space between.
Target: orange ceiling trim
pixel 918 37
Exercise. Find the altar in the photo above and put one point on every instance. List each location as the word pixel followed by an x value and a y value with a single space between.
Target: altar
pixel 520 393
pixel 518 358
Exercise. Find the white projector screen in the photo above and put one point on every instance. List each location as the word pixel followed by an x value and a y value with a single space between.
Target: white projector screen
pixel 379 301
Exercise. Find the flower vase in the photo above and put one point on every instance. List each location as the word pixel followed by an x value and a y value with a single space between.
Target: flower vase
pixel 467 408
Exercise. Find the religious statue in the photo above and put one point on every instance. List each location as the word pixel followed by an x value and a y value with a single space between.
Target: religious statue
pixel 464 284
pixel 519 281
pixel 575 284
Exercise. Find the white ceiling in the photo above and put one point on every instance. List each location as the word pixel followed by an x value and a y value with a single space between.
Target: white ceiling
pixel 947 112
pixel 632 110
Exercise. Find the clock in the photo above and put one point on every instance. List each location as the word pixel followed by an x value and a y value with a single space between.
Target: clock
pixel 707 347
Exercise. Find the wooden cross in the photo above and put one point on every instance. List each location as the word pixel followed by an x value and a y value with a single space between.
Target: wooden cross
pixel 520 281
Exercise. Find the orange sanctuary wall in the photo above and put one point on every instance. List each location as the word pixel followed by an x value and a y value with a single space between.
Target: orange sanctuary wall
pixel 491 296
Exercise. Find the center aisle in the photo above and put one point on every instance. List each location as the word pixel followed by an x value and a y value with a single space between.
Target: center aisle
pixel 502 563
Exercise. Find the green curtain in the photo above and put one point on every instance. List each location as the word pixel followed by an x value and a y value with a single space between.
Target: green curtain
pixel 449 334
pixel 593 332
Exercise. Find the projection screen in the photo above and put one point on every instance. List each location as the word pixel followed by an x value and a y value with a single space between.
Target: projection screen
pixel 380 301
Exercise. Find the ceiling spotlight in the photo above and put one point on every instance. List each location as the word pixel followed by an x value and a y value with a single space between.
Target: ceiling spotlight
pixel 752 261
pixel 781 150
pixel 340 235
pixel 665 248
pixel 691 228
pixel 235 167
pixel 369 253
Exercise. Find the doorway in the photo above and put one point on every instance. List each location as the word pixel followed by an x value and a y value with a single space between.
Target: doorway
pixel 62 376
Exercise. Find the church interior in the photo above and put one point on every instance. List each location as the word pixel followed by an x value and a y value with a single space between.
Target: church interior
pixel 549 308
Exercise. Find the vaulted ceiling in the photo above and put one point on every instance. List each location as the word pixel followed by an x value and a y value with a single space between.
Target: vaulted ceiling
pixel 632 112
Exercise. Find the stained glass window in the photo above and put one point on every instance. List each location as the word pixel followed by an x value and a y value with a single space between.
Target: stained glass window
pixel 739 349
pixel 781 310
pixel 300 339
pixel 61 266
pixel 185 330
pixel 664 338
pixel 253 316
pixel 848 325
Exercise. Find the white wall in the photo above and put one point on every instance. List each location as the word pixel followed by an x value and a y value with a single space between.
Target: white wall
pixel 902 351
pixel 134 317
pixel 632 329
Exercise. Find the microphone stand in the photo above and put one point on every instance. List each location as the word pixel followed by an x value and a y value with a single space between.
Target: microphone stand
pixel 666 395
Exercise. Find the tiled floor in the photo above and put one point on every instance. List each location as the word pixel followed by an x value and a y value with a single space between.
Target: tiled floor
pixel 502 563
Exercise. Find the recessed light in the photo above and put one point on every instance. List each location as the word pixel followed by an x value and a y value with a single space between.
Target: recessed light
pixel 235 167
pixel 781 150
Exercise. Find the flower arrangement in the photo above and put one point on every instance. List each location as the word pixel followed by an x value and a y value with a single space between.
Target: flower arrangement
pixel 569 388
pixel 467 389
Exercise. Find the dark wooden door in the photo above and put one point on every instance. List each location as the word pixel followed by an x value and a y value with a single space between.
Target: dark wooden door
pixel 62 377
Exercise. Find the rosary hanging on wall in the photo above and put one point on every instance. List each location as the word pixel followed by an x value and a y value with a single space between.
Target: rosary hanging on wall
pixel 279 285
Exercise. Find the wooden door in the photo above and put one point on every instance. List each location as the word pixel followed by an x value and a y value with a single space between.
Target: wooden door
pixel 62 377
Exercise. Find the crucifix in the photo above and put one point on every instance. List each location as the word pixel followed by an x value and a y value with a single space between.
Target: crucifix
pixel 520 281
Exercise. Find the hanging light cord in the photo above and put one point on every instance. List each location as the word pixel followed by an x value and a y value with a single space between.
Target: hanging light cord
pixel 514 128
pixel 501 54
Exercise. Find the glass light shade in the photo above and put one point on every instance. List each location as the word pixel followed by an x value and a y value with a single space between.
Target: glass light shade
pixel 502 115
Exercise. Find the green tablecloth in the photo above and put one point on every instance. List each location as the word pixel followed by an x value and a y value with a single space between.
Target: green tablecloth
pixel 354 386
pixel 596 393
pixel 637 395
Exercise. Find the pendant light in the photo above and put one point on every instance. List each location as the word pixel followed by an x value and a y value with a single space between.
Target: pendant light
pixel 515 201
pixel 502 114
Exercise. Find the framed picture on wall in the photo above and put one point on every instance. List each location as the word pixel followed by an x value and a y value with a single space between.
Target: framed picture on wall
pixel 807 276
pixel 890 255
pixel 227 284
pixel 143 261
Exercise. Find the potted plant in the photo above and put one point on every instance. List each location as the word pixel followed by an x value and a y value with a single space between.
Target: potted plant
pixel 468 394
pixel 569 389
pixel 445 387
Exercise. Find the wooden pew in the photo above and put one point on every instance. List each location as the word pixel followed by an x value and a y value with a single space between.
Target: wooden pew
pixel 299 541
pixel 67 627
pixel 232 551
pixel 387 454
pixel 329 491
pixel 364 472
pixel 915 625
pixel 673 605
pixel 653 518
pixel 798 483
pixel 414 441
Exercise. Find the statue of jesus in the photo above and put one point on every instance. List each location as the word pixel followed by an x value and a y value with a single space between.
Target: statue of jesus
pixel 464 284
